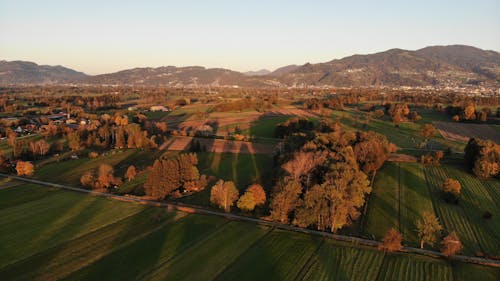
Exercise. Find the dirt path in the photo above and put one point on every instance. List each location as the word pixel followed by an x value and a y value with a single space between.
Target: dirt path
pixel 202 211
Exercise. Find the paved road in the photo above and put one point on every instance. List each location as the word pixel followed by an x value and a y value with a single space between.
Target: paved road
pixel 198 210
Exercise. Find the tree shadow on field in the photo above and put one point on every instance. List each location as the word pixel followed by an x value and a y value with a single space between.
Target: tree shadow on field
pixel 65 235
pixel 139 259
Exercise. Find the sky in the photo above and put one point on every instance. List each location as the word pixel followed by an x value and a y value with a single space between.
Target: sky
pixel 106 36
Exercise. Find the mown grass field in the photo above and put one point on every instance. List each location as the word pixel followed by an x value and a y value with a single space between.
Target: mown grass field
pixel 62 235
pixel 402 191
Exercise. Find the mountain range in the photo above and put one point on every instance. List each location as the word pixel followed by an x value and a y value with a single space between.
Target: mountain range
pixel 455 65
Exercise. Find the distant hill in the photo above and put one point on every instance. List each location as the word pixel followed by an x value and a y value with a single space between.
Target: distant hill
pixel 23 72
pixel 191 76
pixel 257 73
pixel 455 65
pixel 440 65
pixel 284 70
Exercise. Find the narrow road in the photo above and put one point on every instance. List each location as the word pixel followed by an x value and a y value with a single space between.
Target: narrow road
pixel 198 210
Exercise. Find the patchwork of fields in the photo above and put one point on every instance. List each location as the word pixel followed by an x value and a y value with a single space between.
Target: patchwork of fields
pixel 51 234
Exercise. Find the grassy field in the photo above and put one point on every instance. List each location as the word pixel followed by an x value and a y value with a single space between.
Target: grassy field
pixel 407 135
pixel 383 205
pixel 477 233
pixel 335 261
pixel 265 127
pixel 62 235
pixel 242 169
pixel 415 268
pixel 70 171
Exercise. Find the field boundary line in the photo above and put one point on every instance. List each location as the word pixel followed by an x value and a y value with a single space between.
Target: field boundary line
pixel 197 210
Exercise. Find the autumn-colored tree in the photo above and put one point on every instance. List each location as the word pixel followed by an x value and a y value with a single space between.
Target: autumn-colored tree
pixel 24 168
pixel 285 199
pixel 88 179
pixel 451 186
pixel 428 229
pixel 372 150
pixel 483 157
pixel 427 130
pixel 451 244
pixel 258 193
pixel 74 141
pixel 339 198
pixel 392 241
pixel 131 173
pixel 456 118
pixel 246 202
pixel 105 176
pixel 224 194
pixel 302 164
pixel 470 112
pixel 163 179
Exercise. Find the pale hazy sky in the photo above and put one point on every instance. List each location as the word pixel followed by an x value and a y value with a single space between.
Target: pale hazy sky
pixel 105 36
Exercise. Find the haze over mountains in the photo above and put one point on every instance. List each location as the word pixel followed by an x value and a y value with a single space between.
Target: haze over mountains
pixel 454 65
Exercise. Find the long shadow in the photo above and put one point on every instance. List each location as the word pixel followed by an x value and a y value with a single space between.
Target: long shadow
pixel 65 258
pixel 154 250
pixel 37 221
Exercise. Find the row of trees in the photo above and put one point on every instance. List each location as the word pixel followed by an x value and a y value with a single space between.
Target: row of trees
pixel 429 231
pixel 224 194
pixel 101 178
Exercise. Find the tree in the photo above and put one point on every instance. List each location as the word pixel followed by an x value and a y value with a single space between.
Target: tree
pixel 451 244
pixel 372 150
pixel 224 194
pixel 451 188
pixel 105 176
pixel 428 229
pixel 427 130
pixel 469 112
pixel 392 241
pixel 24 168
pixel 258 193
pixel 74 142
pixel 88 179
pixel 131 173
pixel 483 157
pixel 246 202
pixel 285 199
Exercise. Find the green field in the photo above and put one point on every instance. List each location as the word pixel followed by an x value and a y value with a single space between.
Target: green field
pixel 401 192
pixel 265 127
pixel 70 171
pixel 243 169
pixel 477 234
pixel 62 235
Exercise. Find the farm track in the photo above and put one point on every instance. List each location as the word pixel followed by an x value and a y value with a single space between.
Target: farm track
pixel 197 210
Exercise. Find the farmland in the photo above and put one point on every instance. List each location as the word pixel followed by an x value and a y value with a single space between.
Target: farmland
pixel 83 237
pixel 402 191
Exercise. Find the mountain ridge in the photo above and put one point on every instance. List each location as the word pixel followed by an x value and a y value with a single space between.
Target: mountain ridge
pixel 453 65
